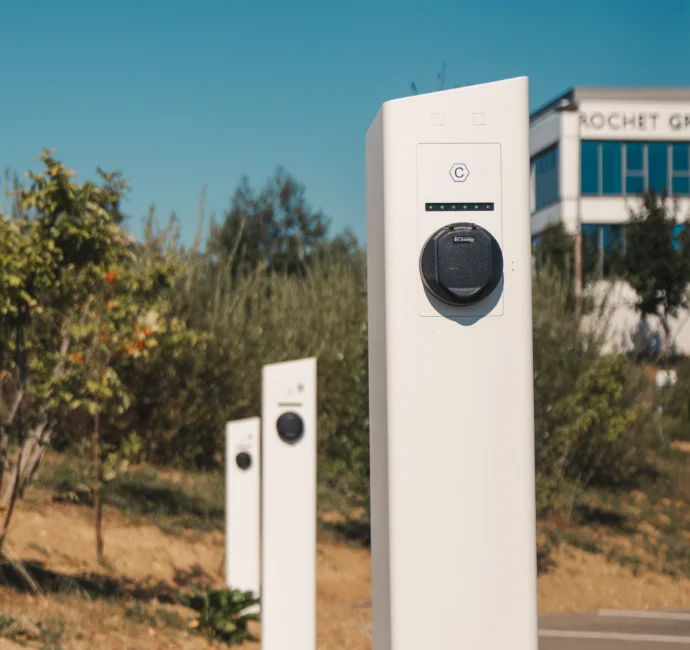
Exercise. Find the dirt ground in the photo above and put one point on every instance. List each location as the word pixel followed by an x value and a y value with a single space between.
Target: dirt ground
pixel 60 538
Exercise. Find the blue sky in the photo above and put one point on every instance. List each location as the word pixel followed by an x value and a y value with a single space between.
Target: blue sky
pixel 184 94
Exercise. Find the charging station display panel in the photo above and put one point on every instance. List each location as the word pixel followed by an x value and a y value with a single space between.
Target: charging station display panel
pixel 243 504
pixel 288 596
pixel 450 371
pixel 442 200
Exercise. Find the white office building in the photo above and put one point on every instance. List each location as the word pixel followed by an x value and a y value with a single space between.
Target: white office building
pixel 593 152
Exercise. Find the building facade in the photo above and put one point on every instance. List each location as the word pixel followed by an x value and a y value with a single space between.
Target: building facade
pixel 593 152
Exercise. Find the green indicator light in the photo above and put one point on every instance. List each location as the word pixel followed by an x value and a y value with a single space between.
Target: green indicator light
pixel 488 207
pixel 454 207
pixel 464 207
pixel 442 207
pixel 476 207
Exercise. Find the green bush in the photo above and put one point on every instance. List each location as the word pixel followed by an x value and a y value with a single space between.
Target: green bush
pixel 591 426
pixel 222 614
pixel 185 394
pixel 674 404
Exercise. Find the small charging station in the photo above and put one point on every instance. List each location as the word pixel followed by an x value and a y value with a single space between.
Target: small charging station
pixel 288 594
pixel 243 505
pixel 450 371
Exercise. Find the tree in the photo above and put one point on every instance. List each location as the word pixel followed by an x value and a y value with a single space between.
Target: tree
pixel 657 260
pixel 275 228
pixel 53 244
pixel 554 248
pixel 117 323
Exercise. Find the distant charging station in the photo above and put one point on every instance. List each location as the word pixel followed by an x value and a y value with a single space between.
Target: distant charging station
pixel 288 596
pixel 243 505
pixel 450 371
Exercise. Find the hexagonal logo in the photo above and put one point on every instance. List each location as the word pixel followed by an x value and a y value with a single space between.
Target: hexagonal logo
pixel 459 172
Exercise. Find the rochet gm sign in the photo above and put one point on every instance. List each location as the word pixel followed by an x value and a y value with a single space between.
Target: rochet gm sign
pixel 635 121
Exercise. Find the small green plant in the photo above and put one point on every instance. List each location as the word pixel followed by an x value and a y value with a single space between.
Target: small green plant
pixel 587 545
pixel 10 628
pixel 39 549
pixel 222 614
pixel 632 561
pixel 52 630
pixel 160 618
pixel 139 614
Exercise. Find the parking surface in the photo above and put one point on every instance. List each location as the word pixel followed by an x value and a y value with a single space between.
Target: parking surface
pixel 615 630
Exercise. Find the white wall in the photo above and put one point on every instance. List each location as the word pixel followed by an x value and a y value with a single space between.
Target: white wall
pixel 546 217
pixel 622 319
pixel 544 132
pixel 602 120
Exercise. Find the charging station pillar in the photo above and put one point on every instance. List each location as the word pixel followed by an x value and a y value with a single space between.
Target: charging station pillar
pixel 243 505
pixel 450 371
pixel 288 595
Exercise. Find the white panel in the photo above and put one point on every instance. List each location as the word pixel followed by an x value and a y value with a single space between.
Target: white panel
pixel 243 505
pixel 451 397
pixel 288 597
pixel 434 161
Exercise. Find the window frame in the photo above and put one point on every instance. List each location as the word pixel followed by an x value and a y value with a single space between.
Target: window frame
pixel 681 173
pixel 671 172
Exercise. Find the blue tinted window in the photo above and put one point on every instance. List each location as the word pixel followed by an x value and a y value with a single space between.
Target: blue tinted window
pixel 676 231
pixel 590 234
pixel 681 185
pixel 634 185
pixel 611 167
pixel 612 244
pixel 612 236
pixel 634 156
pixel 589 166
pixel 546 178
pixel 681 157
pixel 658 166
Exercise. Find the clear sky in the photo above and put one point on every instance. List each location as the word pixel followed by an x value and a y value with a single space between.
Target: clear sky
pixel 184 94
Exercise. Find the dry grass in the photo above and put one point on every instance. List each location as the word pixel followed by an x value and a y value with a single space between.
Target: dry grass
pixel 58 538
pixel 681 445
pixel 585 582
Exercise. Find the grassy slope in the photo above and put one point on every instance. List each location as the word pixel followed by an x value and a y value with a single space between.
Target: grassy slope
pixel 164 530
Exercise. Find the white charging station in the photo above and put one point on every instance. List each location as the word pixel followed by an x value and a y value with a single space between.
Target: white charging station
pixel 450 371
pixel 288 594
pixel 243 505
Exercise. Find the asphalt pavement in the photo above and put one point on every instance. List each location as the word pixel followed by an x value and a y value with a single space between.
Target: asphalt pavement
pixel 615 630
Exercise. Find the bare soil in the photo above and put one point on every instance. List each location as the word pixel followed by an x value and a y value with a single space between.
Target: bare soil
pixel 59 539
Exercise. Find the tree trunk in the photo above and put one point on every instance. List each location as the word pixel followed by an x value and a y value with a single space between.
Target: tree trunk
pixel 32 454
pixel 21 439
pixel 13 501
pixel 97 506
pixel 32 467
pixel 667 339
pixel 4 444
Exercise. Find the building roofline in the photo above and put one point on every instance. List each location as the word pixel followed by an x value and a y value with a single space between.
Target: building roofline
pixel 580 93
pixel 568 95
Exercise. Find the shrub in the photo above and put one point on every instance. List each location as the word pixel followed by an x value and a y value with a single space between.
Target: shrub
pixel 222 614
pixel 591 427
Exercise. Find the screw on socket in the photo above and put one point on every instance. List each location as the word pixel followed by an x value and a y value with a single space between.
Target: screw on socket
pixel 290 427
